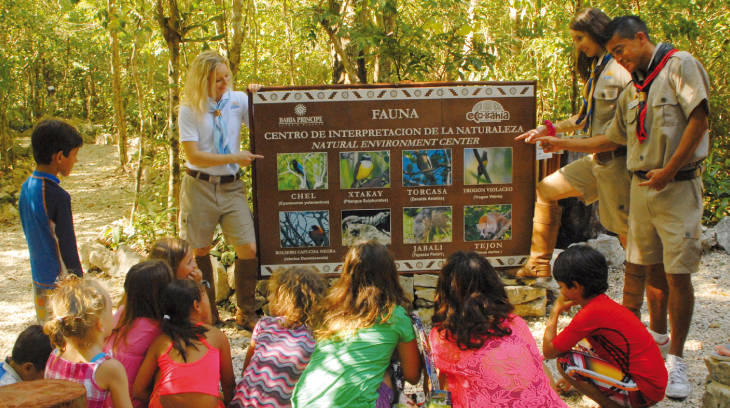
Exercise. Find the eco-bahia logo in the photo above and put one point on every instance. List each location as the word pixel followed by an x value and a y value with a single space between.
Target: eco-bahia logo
pixel 487 111
pixel 300 110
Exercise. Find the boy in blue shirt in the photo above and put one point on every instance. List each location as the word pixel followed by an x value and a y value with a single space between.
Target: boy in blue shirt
pixel 28 360
pixel 45 210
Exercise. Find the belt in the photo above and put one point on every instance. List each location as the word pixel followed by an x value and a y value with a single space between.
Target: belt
pixel 199 175
pixel 683 175
pixel 606 156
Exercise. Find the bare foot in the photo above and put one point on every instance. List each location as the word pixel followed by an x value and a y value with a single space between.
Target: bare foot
pixel 723 350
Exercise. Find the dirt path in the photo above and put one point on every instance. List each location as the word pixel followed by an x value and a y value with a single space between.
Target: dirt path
pixel 100 195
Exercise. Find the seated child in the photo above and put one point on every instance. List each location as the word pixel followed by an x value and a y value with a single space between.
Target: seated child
pixel 365 321
pixel 191 357
pixel 179 255
pixel 477 342
pixel 138 319
pixel 82 319
pixel 281 346
pixel 28 360
pixel 625 367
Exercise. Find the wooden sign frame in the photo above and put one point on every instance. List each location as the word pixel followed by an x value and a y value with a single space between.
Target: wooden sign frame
pixel 425 168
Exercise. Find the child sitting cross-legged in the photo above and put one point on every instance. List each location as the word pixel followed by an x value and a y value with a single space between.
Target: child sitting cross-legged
pixel 29 357
pixel 625 367
pixel 281 345
pixel 365 321
pixel 478 342
pixel 190 358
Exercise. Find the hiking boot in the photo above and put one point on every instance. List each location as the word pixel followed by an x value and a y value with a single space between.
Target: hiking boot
pixel 678 386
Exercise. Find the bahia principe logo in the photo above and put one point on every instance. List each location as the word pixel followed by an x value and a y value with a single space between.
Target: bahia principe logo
pixel 487 111
pixel 300 110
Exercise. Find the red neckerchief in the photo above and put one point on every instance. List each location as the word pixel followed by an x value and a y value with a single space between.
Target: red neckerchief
pixel 663 54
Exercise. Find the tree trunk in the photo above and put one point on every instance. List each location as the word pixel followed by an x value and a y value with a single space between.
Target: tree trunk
pixel 119 118
pixel 141 105
pixel 349 65
pixel 289 30
pixel 5 141
pixel 220 27
pixel 234 52
pixel 387 24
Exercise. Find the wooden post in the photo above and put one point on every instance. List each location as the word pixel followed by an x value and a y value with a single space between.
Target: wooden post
pixel 44 393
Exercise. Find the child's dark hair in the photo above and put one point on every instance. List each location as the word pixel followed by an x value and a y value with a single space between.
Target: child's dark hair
pixel 471 303
pixel 627 27
pixel 51 136
pixel 177 299
pixel 32 346
pixel 143 289
pixel 296 294
pixel 584 265
pixel 593 22
pixel 170 250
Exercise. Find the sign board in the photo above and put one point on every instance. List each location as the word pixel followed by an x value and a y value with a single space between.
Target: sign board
pixel 424 168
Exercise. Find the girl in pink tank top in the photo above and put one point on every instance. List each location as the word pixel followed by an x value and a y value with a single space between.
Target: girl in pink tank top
pixel 190 367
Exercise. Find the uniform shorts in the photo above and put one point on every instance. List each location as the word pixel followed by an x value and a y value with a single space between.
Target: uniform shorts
pixel 204 205
pixel 664 226
pixel 608 182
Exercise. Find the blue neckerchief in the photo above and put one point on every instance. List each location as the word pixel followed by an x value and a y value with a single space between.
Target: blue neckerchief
pixel 220 131
pixel 586 111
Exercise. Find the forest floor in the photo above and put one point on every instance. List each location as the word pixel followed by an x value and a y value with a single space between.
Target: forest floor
pixel 102 195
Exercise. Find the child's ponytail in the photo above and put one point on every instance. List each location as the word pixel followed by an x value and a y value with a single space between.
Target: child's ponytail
pixel 53 328
pixel 177 299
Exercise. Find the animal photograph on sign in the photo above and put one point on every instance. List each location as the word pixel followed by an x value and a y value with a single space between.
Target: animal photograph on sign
pixel 365 169
pixel 427 168
pixel 302 229
pixel 488 222
pixel 492 165
pixel 301 171
pixel 426 225
pixel 371 225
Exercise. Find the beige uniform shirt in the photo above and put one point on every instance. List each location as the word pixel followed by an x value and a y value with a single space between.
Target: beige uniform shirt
pixel 611 82
pixel 679 88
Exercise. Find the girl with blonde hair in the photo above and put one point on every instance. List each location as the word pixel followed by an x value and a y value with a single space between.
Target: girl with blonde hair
pixel 210 119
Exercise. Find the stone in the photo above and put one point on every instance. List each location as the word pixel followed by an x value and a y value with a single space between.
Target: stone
pixel 102 258
pixel 85 251
pixel 259 302
pixel 104 139
pixel 266 310
pixel 723 233
pixel 230 272
pixel 535 308
pixel 716 395
pixel 426 293
pixel 423 303
pixel 708 239
pixel 124 259
pixel 262 288
pixel 148 174
pixel 524 294
pixel 425 315
pixel 719 370
pixel 426 281
pixel 611 248
pixel 406 283
pixel 220 280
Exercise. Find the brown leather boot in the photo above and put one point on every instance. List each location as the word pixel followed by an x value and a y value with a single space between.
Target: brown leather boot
pixel 545 227
pixel 206 267
pixel 634 287
pixel 245 273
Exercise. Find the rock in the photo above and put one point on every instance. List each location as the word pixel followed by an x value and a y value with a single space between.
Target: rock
pixel 708 239
pixel 524 294
pixel 719 370
pixel 231 277
pixel 85 251
pixel 220 278
pixel 716 395
pixel 426 281
pixel 260 302
pixel 104 236
pixel 407 283
pixel 124 259
pixel 148 174
pixel 610 247
pixel 262 288
pixel 426 293
pixel 423 303
pixel 102 258
pixel 535 308
pixel 723 233
pixel 104 139
pixel 266 310
pixel 425 315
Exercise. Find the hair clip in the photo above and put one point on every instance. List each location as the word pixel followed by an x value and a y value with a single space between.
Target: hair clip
pixel 205 283
pixel 166 317
pixel 60 319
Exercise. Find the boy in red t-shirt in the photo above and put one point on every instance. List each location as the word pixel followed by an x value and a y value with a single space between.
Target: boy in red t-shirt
pixel 625 367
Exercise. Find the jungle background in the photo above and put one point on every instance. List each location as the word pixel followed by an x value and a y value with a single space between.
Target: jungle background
pixel 115 69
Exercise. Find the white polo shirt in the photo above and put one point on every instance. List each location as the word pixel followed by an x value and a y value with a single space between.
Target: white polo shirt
pixel 194 128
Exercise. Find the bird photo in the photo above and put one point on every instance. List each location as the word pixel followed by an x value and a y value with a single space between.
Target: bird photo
pixel 491 165
pixel 301 229
pixel 301 171
pixel 364 169
pixel 488 222
pixel 427 167
pixel 317 235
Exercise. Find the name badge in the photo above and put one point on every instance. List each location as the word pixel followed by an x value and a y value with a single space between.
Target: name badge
pixel 633 104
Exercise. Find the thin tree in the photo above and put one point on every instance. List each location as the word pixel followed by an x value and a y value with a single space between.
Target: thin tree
pixel 119 118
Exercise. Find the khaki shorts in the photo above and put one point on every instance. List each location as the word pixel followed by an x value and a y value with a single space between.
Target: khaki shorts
pixel 664 226
pixel 204 205
pixel 609 183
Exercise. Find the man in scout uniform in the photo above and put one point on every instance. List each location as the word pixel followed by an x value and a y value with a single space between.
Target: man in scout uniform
pixel 662 117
